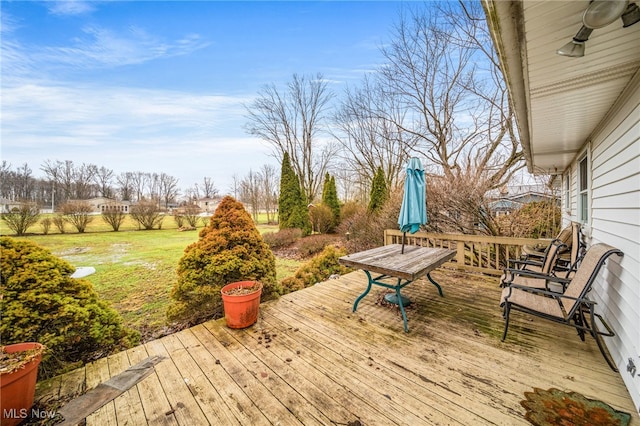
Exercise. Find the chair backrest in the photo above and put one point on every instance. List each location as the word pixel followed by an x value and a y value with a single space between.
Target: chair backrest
pixel 577 246
pixel 566 235
pixel 586 274
pixel 551 256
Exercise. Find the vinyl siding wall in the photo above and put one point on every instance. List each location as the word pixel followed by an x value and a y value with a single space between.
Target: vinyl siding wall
pixel 614 218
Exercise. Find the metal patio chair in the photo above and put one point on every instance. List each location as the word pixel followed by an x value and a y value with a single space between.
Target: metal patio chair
pixel 573 307
pixel 533 273
pixel 573 251
pixel 545 265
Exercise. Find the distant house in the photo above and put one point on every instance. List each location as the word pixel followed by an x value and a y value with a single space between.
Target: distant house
pixel 104 204
pixel 208 205
pixel 6 205
pixel 513 198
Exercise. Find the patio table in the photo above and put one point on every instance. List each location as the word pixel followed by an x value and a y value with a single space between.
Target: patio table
pixel 390 263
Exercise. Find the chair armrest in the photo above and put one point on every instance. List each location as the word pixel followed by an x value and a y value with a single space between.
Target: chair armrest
pixel 525 262
pixel 533 274
pixel 551 294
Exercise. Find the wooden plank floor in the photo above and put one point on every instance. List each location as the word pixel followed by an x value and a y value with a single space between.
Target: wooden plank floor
pixel 310 360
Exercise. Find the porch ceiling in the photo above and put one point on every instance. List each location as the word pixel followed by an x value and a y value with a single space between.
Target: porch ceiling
pixel 560 101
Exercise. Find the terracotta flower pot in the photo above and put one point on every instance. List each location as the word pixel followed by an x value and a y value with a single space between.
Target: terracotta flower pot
pixel 18 387
pixel 241 301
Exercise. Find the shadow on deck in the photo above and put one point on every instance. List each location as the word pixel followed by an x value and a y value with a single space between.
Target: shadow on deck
pixel 310 360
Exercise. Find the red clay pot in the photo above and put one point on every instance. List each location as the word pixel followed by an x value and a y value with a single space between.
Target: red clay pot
pixel 241 310
pixel 18 388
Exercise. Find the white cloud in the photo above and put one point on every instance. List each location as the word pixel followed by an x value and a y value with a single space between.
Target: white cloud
pixel 70 7
pixel 186 135
pixel 103 47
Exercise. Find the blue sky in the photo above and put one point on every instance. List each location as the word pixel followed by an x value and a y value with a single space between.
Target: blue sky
pixel 160 86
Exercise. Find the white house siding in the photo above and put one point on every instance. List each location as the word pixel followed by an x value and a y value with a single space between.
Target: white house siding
pixel 614 218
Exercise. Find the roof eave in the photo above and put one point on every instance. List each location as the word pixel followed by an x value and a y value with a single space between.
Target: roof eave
pixel 506 25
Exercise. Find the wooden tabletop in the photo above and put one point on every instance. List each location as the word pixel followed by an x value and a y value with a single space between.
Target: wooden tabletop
pixel 410 265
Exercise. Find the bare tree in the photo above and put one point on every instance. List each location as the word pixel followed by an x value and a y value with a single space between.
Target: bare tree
pixel 153 191
pixel 113 215
pixel 60 223
pixel 20 218
pixel 125 186
pixel 6 178
pixel 370 131
pixel 351 186
pixel 61 177
pixel 235 186
pixel 167 188
pixel 250 191
pixel 291 122
pixel 77 213
pixel 83 177
pixel 208 188
pixel 269 183
pixel 70 181
pixel 191 215
pixel 443 69
pixel 147 214
pixel 139 183
pixel 24 183
pixel 103 180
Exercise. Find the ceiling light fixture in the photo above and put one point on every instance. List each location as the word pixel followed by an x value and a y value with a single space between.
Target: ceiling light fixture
pixel 575 48
pixel 599 14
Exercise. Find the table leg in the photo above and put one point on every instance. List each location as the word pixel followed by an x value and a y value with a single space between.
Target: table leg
pixel 404 314
pixel 355 304
pixel 435 283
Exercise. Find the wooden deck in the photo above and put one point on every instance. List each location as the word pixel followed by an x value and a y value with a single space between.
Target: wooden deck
pixel 310 360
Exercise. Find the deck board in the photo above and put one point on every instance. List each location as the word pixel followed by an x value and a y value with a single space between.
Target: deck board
pixel 311 360
pixel 98 372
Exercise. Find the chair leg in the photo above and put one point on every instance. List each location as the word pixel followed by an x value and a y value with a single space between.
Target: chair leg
pixel 580 322
pixel 506 320
pixel 597 335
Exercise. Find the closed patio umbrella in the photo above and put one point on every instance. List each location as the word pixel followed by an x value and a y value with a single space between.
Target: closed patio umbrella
pixel 413 212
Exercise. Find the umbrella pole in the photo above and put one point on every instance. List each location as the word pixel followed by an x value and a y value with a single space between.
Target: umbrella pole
pixel 404 236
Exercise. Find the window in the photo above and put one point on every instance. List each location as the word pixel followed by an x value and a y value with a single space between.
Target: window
pixel 567 191
pixel 583 190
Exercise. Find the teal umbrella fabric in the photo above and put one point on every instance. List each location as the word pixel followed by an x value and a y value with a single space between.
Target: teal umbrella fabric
pixel 413 212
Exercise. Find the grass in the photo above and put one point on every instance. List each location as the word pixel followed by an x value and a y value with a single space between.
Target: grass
pixel 135 270
pixel 99 225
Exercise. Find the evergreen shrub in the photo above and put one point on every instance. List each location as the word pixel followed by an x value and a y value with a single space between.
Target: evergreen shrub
pixel 229 249
pixel 330 199
pixel 379 192
pixel 318 269
pixel 41 303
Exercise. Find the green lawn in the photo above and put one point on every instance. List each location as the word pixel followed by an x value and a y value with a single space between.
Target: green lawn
pixel 135 270
pixel 99 225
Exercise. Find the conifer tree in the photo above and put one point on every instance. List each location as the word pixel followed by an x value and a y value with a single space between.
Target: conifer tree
pixel 230 248
pixel 40 302
pixel 379 192
pixel 292 209
pixel 330 198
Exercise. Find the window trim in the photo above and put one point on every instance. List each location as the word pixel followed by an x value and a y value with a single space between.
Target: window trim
pixel 583 189
pixel 567 191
